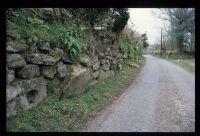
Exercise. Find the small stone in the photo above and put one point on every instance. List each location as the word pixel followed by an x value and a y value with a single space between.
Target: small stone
pixel 119 66
pixel 103 61
pixel 133 65
pixel 95 97
pixel 85 61
pixel 114 61
pixel 10 76
pixel 116 55
pixel 62 70
pixel 15 61
pixel 109 57
pixel 101 55
pixel 125 56
pixel 96 66
pixel 44 47
pixel 13 34
pixel 40 59
pixel 59 63
pixel 30 40
pixel 106 66
pixel 14 47
pixel 48 71
pixel 66 59
pixel 108 49
pixel 94 59
pixel 95 75
pixel 29 71
pixel 57 54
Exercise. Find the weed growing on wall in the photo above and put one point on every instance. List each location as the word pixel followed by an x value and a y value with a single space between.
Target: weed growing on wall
pixel 128 49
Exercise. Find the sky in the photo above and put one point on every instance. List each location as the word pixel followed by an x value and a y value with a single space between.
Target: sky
pixel 146 22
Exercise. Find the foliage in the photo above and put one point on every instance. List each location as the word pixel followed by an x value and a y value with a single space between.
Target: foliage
pixel 65 13
pixel 38 30
pixel 113 18
pixel 121 18
pixel 182 22
pixel 144 39
pixel 73 41
pixel 129 49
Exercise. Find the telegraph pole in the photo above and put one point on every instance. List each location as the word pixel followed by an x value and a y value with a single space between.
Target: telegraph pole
pixel 161 44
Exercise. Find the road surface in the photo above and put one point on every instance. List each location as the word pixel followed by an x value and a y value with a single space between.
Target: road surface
pixel 161 99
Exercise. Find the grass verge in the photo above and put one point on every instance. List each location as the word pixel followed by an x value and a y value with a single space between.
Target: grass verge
pixel 71 114
pixel 184 62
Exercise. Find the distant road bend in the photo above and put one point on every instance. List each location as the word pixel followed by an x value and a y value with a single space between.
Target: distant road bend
pixel 162 98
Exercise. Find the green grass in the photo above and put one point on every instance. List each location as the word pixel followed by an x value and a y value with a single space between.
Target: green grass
pixel 187 63
pixel 71 114
pixel 43 32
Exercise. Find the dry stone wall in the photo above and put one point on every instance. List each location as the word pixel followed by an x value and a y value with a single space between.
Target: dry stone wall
pixel 29 67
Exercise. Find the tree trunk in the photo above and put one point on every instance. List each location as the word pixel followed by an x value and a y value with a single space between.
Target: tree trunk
pixel 180 43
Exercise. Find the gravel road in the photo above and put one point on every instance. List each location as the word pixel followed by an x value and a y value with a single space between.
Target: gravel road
pixel 161 99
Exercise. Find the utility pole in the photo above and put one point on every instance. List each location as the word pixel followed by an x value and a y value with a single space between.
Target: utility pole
pixel 161 44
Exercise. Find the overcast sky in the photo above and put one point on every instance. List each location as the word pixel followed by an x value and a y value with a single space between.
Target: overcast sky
pixel 145 21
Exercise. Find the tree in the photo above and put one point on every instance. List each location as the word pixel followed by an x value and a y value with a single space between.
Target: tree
pixel 182 24
pixel 121 17
pixel 144 39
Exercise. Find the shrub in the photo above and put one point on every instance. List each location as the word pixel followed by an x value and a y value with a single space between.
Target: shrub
pixel 73 42
pixel 128 49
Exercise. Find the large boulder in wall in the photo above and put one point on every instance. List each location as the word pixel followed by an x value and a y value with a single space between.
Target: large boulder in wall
pixel 35 90
pixel 79 79
pixel 18 104
pixel 12 92
pixel 25 95
pixel 16 100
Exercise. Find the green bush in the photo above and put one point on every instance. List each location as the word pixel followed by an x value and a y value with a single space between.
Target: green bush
pixel 73 42
pixel 128 49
